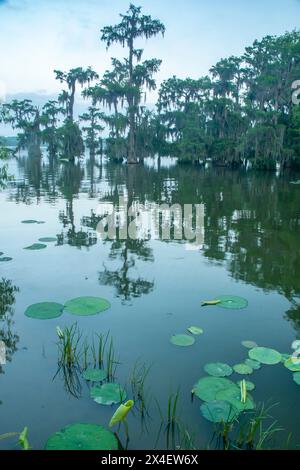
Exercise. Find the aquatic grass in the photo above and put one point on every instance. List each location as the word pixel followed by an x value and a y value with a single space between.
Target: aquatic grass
pixel 169 421
pixel 111 361
pixel 69 346
pixel 251 431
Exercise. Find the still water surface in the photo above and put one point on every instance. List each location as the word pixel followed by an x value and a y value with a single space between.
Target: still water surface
pixel 251 249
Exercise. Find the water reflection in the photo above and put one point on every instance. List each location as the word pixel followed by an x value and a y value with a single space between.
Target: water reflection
pixel 7 334
pixel 252 220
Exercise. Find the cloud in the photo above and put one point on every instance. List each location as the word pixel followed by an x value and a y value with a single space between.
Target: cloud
pixel 38 36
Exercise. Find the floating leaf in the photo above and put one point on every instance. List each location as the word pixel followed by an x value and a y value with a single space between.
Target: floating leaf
pixel 31 221
pixel 108 394
pixel 249 344
pixel 253 364
pixel 82 437
pixel 182 340
pixel 265 355
pixel 296 344
pixel 5 259
pixel 296 377
pixel 94 375
pixel 210 302
pixel 195 330
pixel 36 246
pixel 243 369
pixel 218 369
pixel 233 396
pixel 47 239
pixel 249 385
pixel 121 413
pixel 207 387
pixel 87 306
pixel 293 364
pixel 284 357
pixel 232 302
pixel 44 310
pixel 219 411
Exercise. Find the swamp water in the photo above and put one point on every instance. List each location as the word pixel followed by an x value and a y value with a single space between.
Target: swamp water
pixel 251 249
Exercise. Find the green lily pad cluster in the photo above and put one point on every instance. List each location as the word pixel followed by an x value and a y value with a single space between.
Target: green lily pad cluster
pixel 222 399
pixel 82 306
pixel 41 245
pixel 292 361
pixel 85 436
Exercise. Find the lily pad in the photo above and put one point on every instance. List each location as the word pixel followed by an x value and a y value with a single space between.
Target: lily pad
pixel 296 377
pixel 182 340
pixel 44 310
pixel 242 369
pixel 265 355
pixel 218 369
pixel 232 302
pixel 219 411
pixel 82 437
pixel 108 394
pixel 32 221
pixel 249 344
pixel 253 364
pixel 36 246
pixel 5 259
pixel 249 385
pixel 195 330
pixel 94 375
pixel 207 387
pixel 85 306
pixel 233 396
pixel 293 364
pixel 47 239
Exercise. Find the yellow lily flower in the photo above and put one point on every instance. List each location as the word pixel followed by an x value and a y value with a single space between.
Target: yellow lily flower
pixel 121 413
pixel 210 302
pixel 23 439
pixel 243 391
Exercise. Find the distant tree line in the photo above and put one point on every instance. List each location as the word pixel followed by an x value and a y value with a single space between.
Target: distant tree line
pixel 241 113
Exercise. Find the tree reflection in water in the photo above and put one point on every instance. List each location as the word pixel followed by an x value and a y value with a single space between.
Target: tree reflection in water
pixel 7 333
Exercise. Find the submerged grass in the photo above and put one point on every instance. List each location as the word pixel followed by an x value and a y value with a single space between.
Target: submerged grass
pixel 140 391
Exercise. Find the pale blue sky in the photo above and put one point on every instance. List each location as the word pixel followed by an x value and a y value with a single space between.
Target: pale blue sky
pixel 37 36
